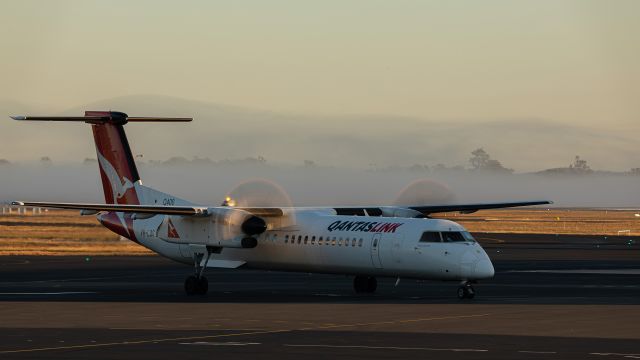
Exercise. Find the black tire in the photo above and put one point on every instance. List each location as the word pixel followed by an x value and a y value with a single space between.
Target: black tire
pixel 191 285
pixel 372 284
pixel 203 286
pixel 471 292
pixel 359 284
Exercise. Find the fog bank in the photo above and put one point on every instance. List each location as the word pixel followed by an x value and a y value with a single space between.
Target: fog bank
pixel 307 186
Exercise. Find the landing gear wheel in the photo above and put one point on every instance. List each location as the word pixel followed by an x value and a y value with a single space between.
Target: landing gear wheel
pixel 466 292
pixel 196 286
pixel 365 284
pixel 191 285
pixel 359 284
pixel 372 284
pixel 203 286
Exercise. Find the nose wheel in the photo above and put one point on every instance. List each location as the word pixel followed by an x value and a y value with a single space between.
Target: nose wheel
pixel 466 291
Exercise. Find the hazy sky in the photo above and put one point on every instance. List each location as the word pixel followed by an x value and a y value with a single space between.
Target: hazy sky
pixel 573 62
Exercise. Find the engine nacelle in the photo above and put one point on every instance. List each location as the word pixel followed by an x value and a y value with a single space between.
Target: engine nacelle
pixel 223 227
pixel 394 211
pixel 234 228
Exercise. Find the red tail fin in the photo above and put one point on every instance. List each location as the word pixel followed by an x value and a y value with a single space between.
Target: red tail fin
pixel 117 166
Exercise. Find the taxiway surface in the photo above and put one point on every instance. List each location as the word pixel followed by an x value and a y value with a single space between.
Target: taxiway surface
pixel 581 301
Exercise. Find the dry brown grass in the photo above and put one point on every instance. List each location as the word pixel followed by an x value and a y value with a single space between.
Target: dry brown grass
pixel 554 221
pixel 66 233
pixel 61 233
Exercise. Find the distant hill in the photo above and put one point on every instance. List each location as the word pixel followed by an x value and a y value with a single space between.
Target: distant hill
pixel 226 132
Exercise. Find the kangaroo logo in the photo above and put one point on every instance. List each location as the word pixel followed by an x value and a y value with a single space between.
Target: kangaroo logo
pixel 118 186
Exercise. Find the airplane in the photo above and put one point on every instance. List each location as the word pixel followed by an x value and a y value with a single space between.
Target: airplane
pixel 360 241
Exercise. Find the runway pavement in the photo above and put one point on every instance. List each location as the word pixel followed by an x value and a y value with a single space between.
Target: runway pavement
pixel 580 304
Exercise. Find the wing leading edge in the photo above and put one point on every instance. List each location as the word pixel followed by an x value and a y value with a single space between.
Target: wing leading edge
pixel 426 210
pixel 140 209
pixel 471 208
pixel 277 212
pixel 148 209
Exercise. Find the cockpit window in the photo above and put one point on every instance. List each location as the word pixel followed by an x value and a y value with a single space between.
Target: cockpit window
pixel 468 236
pixel 430 236
pixel 452 236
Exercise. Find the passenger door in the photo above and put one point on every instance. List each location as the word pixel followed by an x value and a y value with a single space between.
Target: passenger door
pixel 375 251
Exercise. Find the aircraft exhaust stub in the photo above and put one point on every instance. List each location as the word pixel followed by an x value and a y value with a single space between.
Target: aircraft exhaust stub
pixel 249 243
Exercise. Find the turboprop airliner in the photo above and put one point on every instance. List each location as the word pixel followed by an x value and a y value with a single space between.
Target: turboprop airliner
pixel 363 242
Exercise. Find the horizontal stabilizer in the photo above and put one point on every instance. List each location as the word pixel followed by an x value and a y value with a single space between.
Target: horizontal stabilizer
pixel 96 117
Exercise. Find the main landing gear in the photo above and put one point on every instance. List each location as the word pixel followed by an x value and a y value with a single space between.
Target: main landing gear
pixel 197 284
pixel 365 284
pixel 466 291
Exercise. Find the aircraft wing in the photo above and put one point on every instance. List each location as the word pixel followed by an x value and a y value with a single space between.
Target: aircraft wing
pixel 148 209
pixel 263 211
pixel 140 209
pixel 426 210
pixel 471 208
pixel 277 212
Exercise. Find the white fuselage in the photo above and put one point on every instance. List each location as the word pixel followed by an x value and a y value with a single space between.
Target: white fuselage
pixel 324 243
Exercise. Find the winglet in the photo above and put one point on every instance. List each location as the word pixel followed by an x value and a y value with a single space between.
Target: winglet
pixel 18 117
pixel 17 203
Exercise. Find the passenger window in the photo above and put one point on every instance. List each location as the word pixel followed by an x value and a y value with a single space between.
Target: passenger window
pixel 306 238
pixel 299 239
pixel 320 242
pixel 452 236
pixel 360 242
pixel 430 236
pixel 313 240
pixel 286 239
pixel 333 241
pixel 340 242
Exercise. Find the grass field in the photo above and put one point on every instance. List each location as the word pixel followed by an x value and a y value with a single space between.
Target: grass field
pixel 553 221
pixel 66 233
pixel 61 233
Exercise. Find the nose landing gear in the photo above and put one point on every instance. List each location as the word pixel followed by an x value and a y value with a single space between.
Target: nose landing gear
pixel 466 291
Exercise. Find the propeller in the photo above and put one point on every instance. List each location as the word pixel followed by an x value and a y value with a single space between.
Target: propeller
pixel 258 193
pixel 424 192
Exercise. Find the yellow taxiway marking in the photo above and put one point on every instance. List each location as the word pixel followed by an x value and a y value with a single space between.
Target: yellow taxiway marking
pixel 384 347
pixel 149 341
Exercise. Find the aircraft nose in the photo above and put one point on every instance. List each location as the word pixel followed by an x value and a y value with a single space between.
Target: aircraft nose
pixel 484 269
